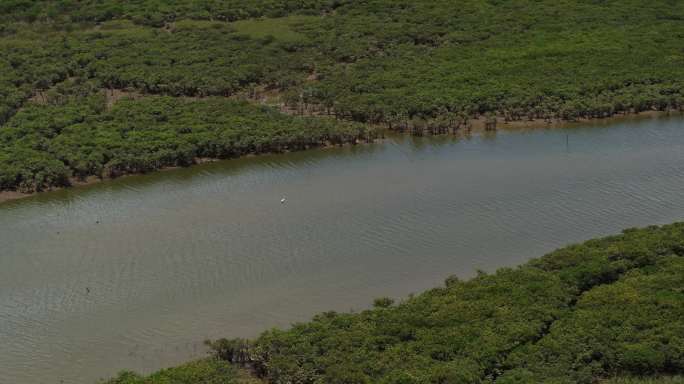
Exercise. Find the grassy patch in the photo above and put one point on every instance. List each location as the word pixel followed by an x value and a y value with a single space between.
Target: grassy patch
pixel 281 29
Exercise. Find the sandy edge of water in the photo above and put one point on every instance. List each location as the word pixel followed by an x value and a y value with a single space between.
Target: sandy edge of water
pixel 478 127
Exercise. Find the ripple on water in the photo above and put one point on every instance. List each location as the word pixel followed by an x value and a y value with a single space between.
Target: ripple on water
pixel 210 251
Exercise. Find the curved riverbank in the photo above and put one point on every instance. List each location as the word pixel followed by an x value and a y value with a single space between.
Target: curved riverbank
pixel 606 310
pixel 209 251
pixel 39 152
pixel 477 126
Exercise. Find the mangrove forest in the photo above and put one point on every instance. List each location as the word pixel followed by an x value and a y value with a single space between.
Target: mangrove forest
pixel 103 88
pixel 609 310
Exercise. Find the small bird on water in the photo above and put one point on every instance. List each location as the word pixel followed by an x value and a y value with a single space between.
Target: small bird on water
pixel 282 201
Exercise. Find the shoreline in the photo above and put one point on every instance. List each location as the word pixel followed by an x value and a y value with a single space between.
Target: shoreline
pixel 7 196
pixel 477 127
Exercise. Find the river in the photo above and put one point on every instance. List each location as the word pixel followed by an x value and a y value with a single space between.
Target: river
pixel 135 273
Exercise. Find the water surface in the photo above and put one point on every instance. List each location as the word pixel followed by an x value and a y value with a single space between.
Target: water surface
pixel 135 273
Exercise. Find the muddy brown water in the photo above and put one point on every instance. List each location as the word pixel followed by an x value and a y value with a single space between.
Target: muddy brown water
pixel 137 272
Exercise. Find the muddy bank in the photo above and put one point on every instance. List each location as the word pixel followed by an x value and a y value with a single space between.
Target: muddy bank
pixel 477 126
pixel 90 180
pixel 481 123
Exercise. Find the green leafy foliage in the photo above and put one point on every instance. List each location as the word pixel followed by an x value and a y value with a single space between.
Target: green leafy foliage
pixel 647 380
pixel 428 65
pixel 207 371
pixel 607 308
pixel 42 146
pixel 27 64
pixel 155 12
pixel 520 59
pixel 194 59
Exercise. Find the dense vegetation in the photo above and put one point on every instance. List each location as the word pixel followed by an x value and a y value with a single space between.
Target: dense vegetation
pixel 609 309
pixel 155 12
pixel 45 145
pixel 424 65
pixel 207 371
pixel 647 380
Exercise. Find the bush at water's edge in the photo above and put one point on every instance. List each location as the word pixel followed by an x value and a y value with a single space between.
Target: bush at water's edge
pixel 205 371
pixel 608 310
